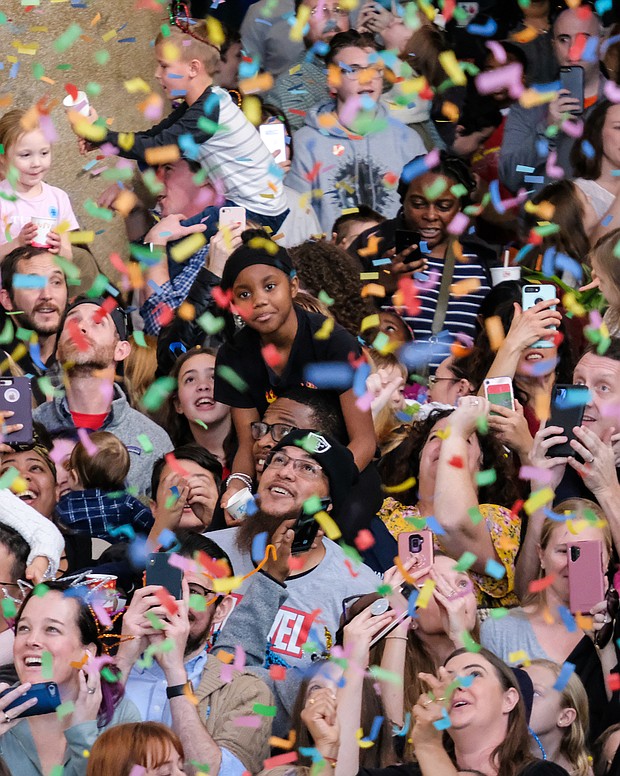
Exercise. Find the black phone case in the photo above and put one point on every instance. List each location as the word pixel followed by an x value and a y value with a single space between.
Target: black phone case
pixel 572 79
pixel 46 693
pixel 306 529
pixel 160 572
pixel 16 397
pixel 405 239
pixel 567 417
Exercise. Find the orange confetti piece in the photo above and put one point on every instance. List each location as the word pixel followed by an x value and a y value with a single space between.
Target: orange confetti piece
pixel 373 289
pixel 495 331
pixel 464 287
pixel 536 585
pixel 372 247
pixel 162 155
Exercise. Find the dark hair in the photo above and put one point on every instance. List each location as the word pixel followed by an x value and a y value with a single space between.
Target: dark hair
pixel 479 112
pixel 191 542
pixel 512 49
pixel 378 756
pixel 15 544
pixel 231 36
pixel 612 352
pixel 325 406
pixel 361 214
pixel 323 266
pixel 422 53
pixel 584 165
pixel 514 751
pixel 598 751
pixel 403 462
pixel 8 268
pixel 190 452
pixel 449 165
pixel 343 40
pixel 91 632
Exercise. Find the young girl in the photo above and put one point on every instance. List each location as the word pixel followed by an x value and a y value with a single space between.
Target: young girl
pixel 606 274
pixel 24 195
pixel 274 349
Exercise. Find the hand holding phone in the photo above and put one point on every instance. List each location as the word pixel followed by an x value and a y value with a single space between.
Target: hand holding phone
pixel 416 547
pixel 28 700
pixel 232 216
pixel 586 575
pixel 532 295
pixel 568 404
pixel 572 79
pixel 16 406
pixel 160 572
pixel 499 392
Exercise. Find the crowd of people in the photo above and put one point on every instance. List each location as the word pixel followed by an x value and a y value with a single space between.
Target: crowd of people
pixel 323 478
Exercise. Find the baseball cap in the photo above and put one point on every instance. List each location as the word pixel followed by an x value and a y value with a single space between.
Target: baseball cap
pixel 335 459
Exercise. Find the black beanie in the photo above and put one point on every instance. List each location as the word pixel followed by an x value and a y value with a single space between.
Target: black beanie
pixel 258 250
pixel 116 313
pixel 335 459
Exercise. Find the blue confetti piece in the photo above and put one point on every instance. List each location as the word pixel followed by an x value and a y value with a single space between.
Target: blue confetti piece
pixel 396 731
pixel 328 375
pixel 175 491
pixel 414 169
pixel 251 508
pixel 588 149
pixel 523 252
pixel 123 530
pixel 602 6
pixel 494 569
pixel 29 281
pixel 189 147
pixel 555 516
pixel 590 50
pixel 552 86
pixel 567 619
pixel 483 30
pixel 412 602
pixel 178 92
pixel 166 538
pixel 359 379
pixel 248 69
pixel 14 70
pixel 263 21
pixel 534 178
pixel 127 40
pixel 607 220
pixel 565 674
pixel 443 723
pixel 567 264
pixel 259 545
pixel 548 262
pixel 35 354
pixel 380 262
pixel 466 681
pixel 433 525
pixel 138 551
pixel 572 398
pixel 524 168
pixel 375 729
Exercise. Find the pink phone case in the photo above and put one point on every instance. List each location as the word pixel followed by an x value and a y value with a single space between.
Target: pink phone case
pixel 586 575
pixel 418 544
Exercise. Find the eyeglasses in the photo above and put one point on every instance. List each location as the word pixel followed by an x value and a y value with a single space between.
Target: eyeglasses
pixel 320 12
pixel 433 380
pixel 180 16
pixel 571 40
pixel 277 430
pixel 354 72
pixel 195 589
pixel 305 469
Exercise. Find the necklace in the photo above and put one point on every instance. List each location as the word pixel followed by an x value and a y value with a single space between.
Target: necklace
pixel 539 743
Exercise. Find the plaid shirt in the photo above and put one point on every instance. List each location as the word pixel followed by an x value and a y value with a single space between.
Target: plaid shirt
pixel 156 311
pixel 100 513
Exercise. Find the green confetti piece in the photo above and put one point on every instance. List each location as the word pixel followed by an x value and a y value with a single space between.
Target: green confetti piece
pixel 417 523
pixel 9 610
pixel 99 286
pixel 498 613
pixel 65 709
pixel 381 341
pixel 93 209
pixel 57 770
pixel 145 443
pixel 171 501
pixel 2 18
pixel 47 665
pixel 469 644
pixel 41 590
pixel 8 478
pixel 157 393
pixel 150 181
pixel 210 323
pixel 24 335
pixel 351 552
pixel 482 425
pixel 38 71
pixel 475 515
pixel 486 477
pixel 311 647
pixel 458 190
pixel 67 39
pixel 228 374
pixel 197 602
pixel 72 272
pixel 264 710
pixel 63 67
pixel 145 255
pixel 384 590
pixel 118 174
pixel 312 505
pixel 93 89
pixel 47 389
pixel 325 298
pixel 436 189
pixel 138 338
pixel 102 57
pixel 386 676
pixel 108 675
pixel 155 621
pixel 466 561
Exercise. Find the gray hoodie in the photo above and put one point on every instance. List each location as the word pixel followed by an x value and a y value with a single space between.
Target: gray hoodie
pixel 125 423
pixel 350 169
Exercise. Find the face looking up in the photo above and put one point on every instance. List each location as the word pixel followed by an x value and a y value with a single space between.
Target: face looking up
pixel 602 377
pixel 195 391
pixel 289 481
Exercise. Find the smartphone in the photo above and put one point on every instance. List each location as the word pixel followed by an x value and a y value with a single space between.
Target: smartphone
pixel 274 137
pixel 568 403
pixel 231 216
pixel 419 544
pixel 498 390
pixel 160 572
pixel 531 295
pixel 46 693
pixel 405 239
pixel 16 397
pixel 572 79
pixel 586 575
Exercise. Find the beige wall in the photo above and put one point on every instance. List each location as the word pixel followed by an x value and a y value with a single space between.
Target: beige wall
pixel 127 61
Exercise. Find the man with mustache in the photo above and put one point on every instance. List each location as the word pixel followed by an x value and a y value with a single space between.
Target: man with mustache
pixel 34 290
pixel 91 343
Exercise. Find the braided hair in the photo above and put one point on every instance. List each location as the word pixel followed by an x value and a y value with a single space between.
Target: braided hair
pixel 450 166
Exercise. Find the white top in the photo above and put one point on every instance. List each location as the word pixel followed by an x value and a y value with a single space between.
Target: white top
pixel 599 198
pixel 52 203
pixel 40 533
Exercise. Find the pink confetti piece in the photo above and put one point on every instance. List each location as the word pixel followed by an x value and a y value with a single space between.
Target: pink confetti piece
pixel 349 111
pixel 137 770
pixel 250 722
pixel 102 614
pixel 535 473
pixel 364 402
pixel 507 77
pixel 48 128
pixel 179 562
pixel 596 321
pixel 498 51
pixel 458 224
pixel 90 447
pixel 427 285
pixel 553 170
pixel 612 91
pixel 572 128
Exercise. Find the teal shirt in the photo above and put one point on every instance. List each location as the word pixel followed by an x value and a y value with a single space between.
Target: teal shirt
pixel 19 752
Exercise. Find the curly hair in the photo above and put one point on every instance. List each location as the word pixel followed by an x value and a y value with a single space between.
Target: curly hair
pixel 450 166
pixel 404 462
pixel 322 266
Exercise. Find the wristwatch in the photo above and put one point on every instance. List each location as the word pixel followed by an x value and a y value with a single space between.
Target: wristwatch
pixel 176 690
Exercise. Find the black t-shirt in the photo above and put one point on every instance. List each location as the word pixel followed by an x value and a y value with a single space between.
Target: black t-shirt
pixel 262 385
pixel 539 768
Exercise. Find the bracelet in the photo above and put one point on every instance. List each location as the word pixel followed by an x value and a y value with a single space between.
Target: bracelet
pixel 396 638
pixel 333 761
pixel 245 478
pixel 179 689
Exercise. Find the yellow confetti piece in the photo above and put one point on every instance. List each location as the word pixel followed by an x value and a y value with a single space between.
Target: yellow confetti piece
pixel 547 616
pixel 225 657
pixel 426 592
pixel 226 585
pixel 403 486
pixel 464 287
pixel 373 289
pixel 252 109
pixel 136 85
pixel 450 111
pixel 62 227
pixel 526 35
pixel 284 743
pixel 369 321
pixel 542 406
pixel 569 300
pixel 47 80
pixel 303 16
pixel 326 121
pixel 334 76
pixel 171 52
pixel 328 525
pixel 531 98
pixel 78 237
pixel 369 276
pixel 28 50
pixel 19 485
pixel 187 247
pixel 544 210
pixel 259 83
pixel 325 332
pixel 89 131
pixel 215 31
pixel 450 64
pixel 107 36
pixel 495 331
pixel 538 499
pixel 125 202
pixel 363 744
pixel 95 20
pixel 187 311
pixel 584 621
pixel 162 155
pixel 136 278
pixel 520 656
